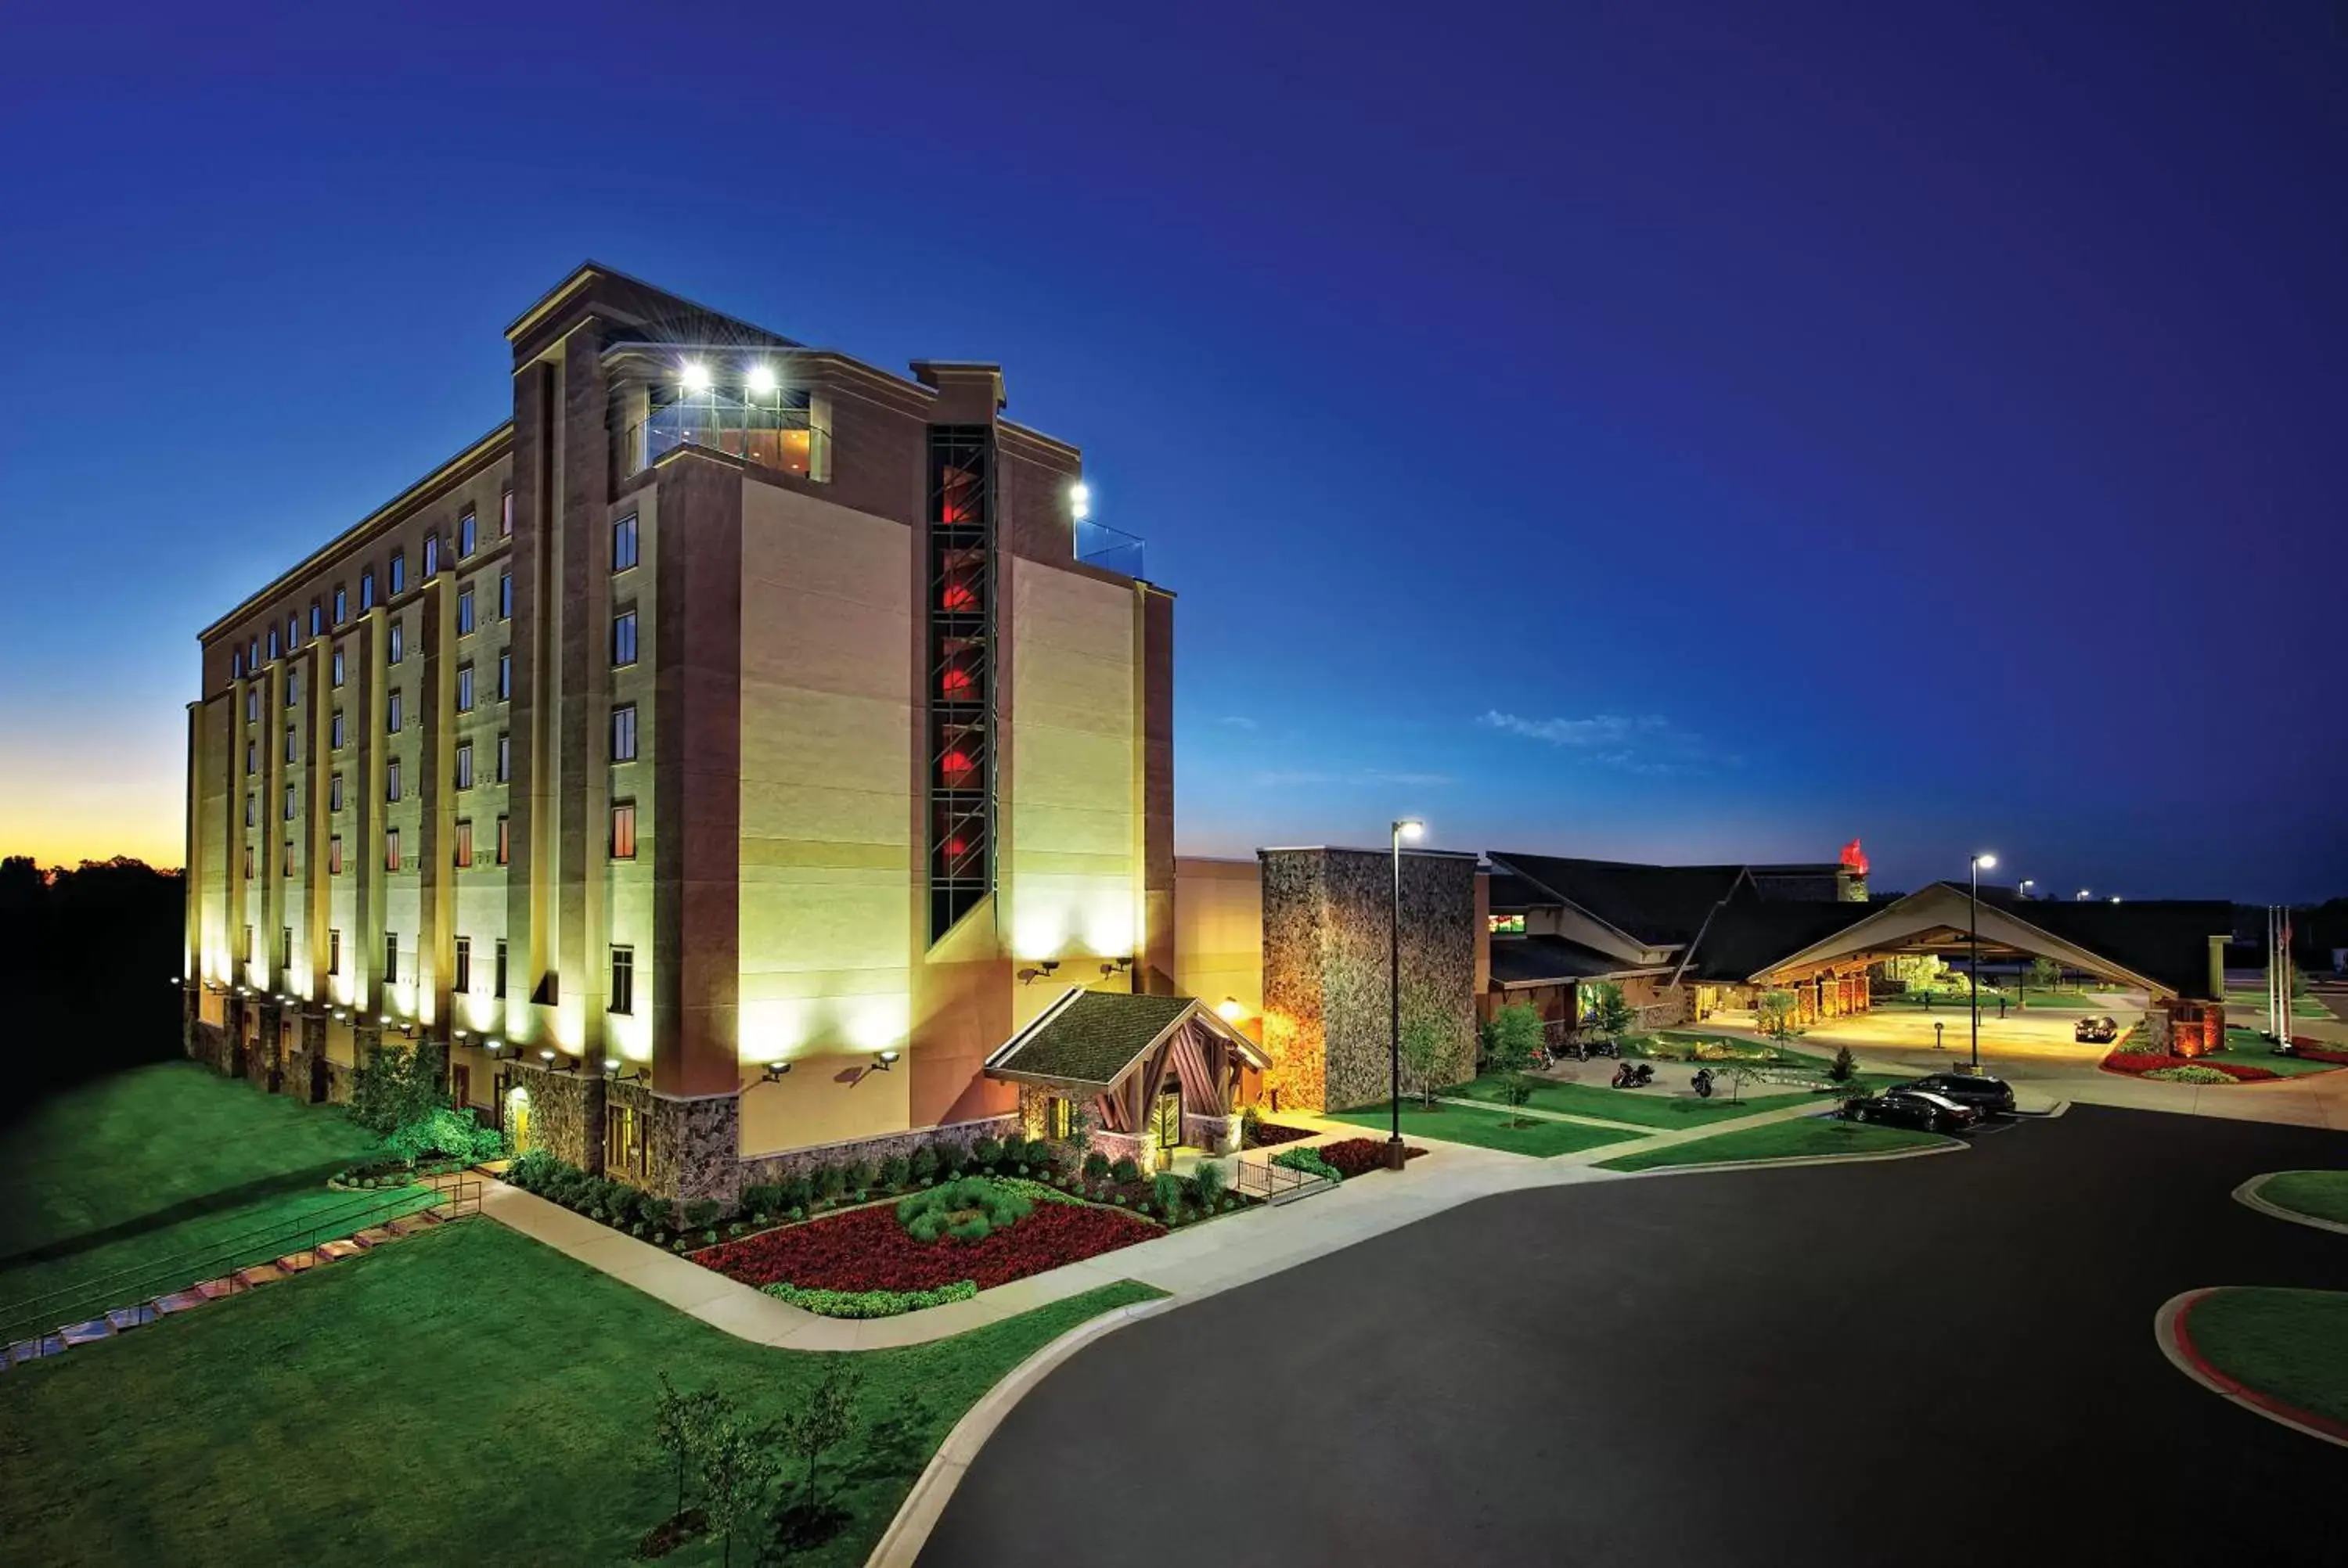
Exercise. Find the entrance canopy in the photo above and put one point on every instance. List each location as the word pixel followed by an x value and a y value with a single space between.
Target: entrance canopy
pixel 1120 1049
pixel 2161 946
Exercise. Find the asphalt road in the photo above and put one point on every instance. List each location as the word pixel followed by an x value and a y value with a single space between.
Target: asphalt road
pixel 1945 1360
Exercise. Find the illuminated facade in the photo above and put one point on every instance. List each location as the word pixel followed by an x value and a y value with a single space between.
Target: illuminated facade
pixel 705 756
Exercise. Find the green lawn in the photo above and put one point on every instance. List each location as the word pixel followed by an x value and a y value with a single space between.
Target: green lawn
pixel 1803 1138
pixel 125 1176
pixel 1667 1103
pixel 2247 1047
pixel 1488 1129
pixel 2256 1001
pixel 2292 1344
pixel 464 1396
pixel 2318 1195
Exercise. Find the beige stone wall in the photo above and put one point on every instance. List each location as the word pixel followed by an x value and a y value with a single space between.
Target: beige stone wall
pixel 827 813
pixel 1219 933
pixel 1071 873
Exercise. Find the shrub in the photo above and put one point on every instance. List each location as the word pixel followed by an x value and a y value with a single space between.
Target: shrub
pixel 970 1227
pixel 1166 1193
pixel 2190 1074
pixel 987 1153
pixel 1248 1121
pixel 896 1171
pixel 1096 1164
pixel 1208 1183
pixel 967 1210
pixel 799 1191
pixel 764 1197
pixel 534 1170
pixel 700 1213
pixel 1124 1170
pixel 831 1181
pixel 1310 1161
pixel 870 1303
pixel 1845 1068
pixel 924 1163
pixel 856 1175
pixel 1358 1156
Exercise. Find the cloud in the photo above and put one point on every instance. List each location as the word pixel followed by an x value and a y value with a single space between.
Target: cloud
pixel 1238 722
pixel 1647 745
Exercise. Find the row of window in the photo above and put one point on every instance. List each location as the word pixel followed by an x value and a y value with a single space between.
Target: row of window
pixel 394 712
pixel 249 658
pixel 621 844
pixel 620 998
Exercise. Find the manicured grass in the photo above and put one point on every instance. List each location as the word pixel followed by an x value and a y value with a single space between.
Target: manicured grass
pixel 1802 1138
pixel 2249 1049
pixel 132 1172
pixel 2256 1001
pixel 464 1396
pixel 2292 1344
pixel 2318 1195
pixel 1667 1102
pixel 1488 1129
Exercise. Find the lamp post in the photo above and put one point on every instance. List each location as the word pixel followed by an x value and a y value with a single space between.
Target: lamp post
pixel 1972 939
pixel 1403 827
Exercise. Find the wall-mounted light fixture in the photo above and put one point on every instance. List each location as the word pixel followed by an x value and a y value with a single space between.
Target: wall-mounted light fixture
pixel 773 1071
pixel 1230 1010
pixel 1049 966
pixel 493 1046
pixel 1030 976
pixel 883 1060
pixel 461 1034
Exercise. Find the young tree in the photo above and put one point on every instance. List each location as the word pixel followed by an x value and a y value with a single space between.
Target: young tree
pixel 1774 1011
pixel 396 1085
pixel 1609 1015
pixel 1740 1072
pixel 828 1418
pixel 685 1424
pixel 2045 974
pixel 1845 1068
pixel 1424 1056
pixel 1508 1044
pixel 738 1465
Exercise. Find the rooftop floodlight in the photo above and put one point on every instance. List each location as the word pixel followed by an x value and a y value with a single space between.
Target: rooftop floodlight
pixel 1080 500
pixel 694 375
pixel 762 379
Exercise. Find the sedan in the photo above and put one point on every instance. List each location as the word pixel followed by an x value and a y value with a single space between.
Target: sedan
pixel 1989 1096
pixel 1916 1108
pixel 2095 1030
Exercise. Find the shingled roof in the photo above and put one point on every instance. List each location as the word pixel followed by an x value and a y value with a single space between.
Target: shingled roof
pixel 1555 960
pixel 1098 1037
pixel 1660 905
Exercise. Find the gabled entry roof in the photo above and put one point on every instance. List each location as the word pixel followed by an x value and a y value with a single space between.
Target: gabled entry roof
pixel 1096 1038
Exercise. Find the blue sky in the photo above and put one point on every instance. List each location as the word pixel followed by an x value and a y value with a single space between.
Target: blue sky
pixel 1688 432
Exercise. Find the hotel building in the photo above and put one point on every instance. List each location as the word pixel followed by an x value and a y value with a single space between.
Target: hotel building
pixel 722 757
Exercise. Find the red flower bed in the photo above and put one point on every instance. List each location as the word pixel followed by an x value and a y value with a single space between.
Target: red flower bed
pixel 2135 1062
pixel 1270 1134
pixel 2308 1051
pixel 1358 1156
pixel 867 1249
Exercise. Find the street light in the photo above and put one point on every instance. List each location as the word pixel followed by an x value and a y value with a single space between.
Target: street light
pixel 2026 884
pixel 1973 939
pixel 1403 827
pixel 2083 895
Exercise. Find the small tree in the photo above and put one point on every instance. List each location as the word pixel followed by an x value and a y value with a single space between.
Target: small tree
pixel 1740 1072
pixel 685 1424
pixel 1609 1016
pixel 2045 974
pixel 826 1419
pixel 1775 1011
pixel 397 1084
pixel 738 1465
pixel 1423 1054
pixel 1845 1068
pixel 1510 1043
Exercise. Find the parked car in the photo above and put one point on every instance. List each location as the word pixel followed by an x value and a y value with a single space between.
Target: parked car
pixel 1916 1108
pixel 1989 1096
pixel 2096 1030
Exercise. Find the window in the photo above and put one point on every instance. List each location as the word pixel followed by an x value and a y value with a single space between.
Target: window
pixel 1058 1120
pixel 337 665
pixel 366 590
pixel 391 849
pixel 624 979
pixel 463 980
pixel 285 861
pixel 398 573
pixel 391 779
pixel 391 713
pixel 396 644
pixel 248 863
pixel 334 793
pixel 251 950
pixel 317 619
pixel 463 850
pixel 505 758
pixel 500 958
pixel 285 946
pixel 236 664
pixel 505 674
pixel 251 811
pixel 335 730
pixel 465 536
pixel 623 638
pixel 251 756
pixel 289 742
pixel 624 543
pixel 289 803
pixel 293 633
pixel 623 733
pixel 333 952
pixel 342 604
pixel 505 596
pixel 464 610
pixel 293 688
pixel 391 957
pixel 465 765
pixel 335 856
pixel 505 516
pixel 272 642
pixel 505 839
pixel 1505 925
pixel 431 555
pixel 624 830
pixel 464 688
pixel 251 703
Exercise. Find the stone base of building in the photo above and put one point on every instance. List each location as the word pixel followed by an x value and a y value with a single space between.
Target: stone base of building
pixel 1215 1134
pixel 762 1168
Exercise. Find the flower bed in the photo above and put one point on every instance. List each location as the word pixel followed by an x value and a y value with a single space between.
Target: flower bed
pixel 2137 1063
pixel 1359 1156
pixel 1272 1135
pixel 867 1249
pixel 2308 1051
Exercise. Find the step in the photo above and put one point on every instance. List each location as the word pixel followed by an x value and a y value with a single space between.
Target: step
pixel 296 1262
pixel 85 1333
pixel 259 1274
pixel 335 1251
pixel 213 1289
pixel 409 1225
pixel 375 1235
pixel 179 1301
pixel 125 1318
pixel 34 1349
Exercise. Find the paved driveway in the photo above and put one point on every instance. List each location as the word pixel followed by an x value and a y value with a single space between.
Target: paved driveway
pixel 1722 1368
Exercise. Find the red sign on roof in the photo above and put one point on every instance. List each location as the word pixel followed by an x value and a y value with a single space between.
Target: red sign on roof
pixel 1854 858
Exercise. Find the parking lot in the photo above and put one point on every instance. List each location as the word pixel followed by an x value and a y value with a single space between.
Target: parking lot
pixel 1919 1361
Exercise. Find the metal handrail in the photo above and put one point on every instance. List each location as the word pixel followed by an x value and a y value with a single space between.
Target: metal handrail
pixel 128 1286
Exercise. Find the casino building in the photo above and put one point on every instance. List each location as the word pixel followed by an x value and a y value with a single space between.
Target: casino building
pixel 722 757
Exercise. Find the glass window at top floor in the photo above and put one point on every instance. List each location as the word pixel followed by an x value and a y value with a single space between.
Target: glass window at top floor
pixel 788 428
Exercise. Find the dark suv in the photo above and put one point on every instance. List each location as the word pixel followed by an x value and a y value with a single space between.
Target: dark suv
pixel 1989 1096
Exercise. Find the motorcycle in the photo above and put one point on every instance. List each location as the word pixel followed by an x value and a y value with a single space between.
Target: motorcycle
pixel 1702 1083
pixel 1633 1075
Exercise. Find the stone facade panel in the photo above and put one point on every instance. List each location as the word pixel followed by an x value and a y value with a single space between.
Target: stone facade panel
pixel 775 1167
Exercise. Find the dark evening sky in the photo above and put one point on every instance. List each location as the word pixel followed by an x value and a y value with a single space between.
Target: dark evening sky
pixel 1655 430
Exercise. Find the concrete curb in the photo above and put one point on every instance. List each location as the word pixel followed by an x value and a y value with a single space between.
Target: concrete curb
pixel 918 1515
pixel 1791 1162
pixel 2247 1195
pixel 2168 1331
